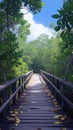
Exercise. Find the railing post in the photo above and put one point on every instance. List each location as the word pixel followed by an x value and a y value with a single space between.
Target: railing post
pixel 53 80
pixel 10 91
pixel 19 84
pixel 58 86
pixel 13 90
pixel 5 96
pixel 24 80
pixel 22 83
pixel 61 90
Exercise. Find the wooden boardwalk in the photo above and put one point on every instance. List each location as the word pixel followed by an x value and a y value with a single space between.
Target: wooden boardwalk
pixel 36 109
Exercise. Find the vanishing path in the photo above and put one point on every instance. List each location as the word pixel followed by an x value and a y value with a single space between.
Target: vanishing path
pixel 36 110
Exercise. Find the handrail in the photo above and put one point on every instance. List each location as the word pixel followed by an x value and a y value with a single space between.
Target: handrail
pixel 58 88
pixel 7 84
pixel 60 80
pixel 4 89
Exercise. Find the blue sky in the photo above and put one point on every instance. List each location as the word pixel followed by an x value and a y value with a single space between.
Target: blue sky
pixel 50 8
pixel 40 23
pixel 47 11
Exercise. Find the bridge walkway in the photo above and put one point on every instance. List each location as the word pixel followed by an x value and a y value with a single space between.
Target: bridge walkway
pixel 36 109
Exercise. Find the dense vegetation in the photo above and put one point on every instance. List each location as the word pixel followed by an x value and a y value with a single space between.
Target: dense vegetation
pixel 11 24
pixel 53 55
pixel 65 24
pixel 47 54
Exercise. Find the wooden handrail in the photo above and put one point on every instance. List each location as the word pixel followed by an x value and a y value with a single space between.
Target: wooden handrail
pixel 60 80
pixel 58 86
pixel 7 84
pixel 4 90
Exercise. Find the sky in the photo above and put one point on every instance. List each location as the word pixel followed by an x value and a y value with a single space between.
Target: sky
pixel 40 22
pixel 50 8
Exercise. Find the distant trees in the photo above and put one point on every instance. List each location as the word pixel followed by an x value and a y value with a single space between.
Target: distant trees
pixel 42 53
pixel 47 54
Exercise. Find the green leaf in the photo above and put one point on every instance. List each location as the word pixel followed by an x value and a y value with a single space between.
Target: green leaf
pixel 57 28
pixel 61 12
pixel 56 16
pixel 59 22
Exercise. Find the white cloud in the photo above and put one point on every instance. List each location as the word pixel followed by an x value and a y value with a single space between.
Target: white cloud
pixel 37 29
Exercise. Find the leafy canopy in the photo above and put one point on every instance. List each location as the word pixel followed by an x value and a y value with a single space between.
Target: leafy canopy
pixel 65 16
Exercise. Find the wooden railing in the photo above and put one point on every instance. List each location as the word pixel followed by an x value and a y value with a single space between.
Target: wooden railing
pixel 10 91
pixel 62 90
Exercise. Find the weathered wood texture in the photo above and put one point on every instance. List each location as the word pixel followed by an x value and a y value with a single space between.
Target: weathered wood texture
pixel 36 109
pixel 10 91
pixel 62 90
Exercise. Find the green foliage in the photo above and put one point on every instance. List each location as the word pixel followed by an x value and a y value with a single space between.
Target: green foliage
pixel 34 6
pixel 11 54
pixel 23 30
pixel 47 54
pixel 2 21
pixel 9 51
pixel 57 28
pixel 41 53
pixel 56 16
pixel 11 6
pixel 65 24
pixel 21 68
pixel 9 47
pixel 65 16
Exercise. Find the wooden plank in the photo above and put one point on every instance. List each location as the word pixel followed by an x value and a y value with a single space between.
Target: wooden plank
pixel 63 97
pixel 4 89
pixel 35 111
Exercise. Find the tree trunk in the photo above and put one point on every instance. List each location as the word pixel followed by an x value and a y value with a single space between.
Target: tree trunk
pixel 3 72
pixel 68 67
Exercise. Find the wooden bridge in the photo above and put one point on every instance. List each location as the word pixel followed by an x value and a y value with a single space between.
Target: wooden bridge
pixel 36 102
